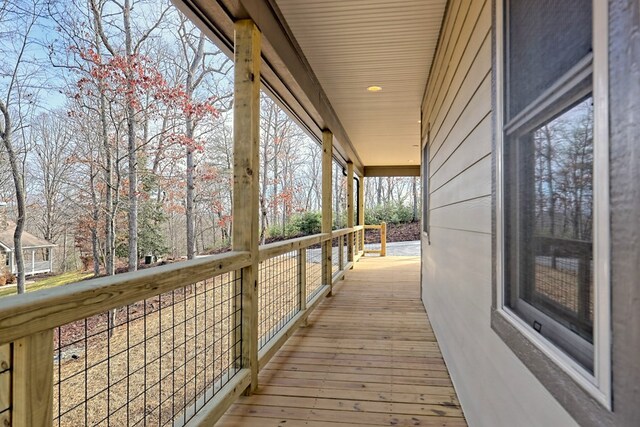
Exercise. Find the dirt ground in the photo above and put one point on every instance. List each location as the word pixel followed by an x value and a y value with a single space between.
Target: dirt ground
pixel 395 233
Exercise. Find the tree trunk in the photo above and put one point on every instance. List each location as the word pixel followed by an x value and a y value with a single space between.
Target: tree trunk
pixel 132 148
pixel 191 234
pixel 18 182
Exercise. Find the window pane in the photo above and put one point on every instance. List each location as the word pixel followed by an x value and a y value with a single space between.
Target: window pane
pixel 546 38
pixel 550 227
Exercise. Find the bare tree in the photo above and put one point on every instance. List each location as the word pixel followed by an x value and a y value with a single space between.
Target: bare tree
pixel 16 101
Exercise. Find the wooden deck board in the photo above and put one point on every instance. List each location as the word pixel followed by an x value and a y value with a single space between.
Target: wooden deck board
pixel 367 357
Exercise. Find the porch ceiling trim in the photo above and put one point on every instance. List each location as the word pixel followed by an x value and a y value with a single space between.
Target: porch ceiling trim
pixel 402 170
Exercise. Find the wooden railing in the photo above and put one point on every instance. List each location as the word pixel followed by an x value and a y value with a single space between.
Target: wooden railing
pixel 162 345
pixel 383 239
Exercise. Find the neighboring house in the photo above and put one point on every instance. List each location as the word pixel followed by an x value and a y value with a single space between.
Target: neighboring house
pixel 38 253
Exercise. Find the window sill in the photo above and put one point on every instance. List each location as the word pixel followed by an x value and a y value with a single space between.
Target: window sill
pixel 545 364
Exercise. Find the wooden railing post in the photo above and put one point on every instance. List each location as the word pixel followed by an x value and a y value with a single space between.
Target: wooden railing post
pixel 246 160
pixel 361 201
pixel 383 239
pixel 32 377
pixel 327 209
pixel 5 385
pixel 350 211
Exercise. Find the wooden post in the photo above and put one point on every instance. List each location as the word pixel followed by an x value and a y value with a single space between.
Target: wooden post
pixel 32 400
pixel 361 211
pixel 383 239
pixel 5 385
pixel 33 260
pixel 327 208
pixel 350 211
pixel 246 161
pixel 302 280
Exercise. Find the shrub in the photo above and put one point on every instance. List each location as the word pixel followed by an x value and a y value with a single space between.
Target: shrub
pixel 11 278
pixel 307 222
pixel 396 213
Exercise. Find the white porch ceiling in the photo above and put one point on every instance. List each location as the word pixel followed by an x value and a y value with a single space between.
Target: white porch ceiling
pixel 354 44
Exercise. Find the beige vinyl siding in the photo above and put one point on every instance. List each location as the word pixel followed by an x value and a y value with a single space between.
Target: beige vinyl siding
pixel 495 388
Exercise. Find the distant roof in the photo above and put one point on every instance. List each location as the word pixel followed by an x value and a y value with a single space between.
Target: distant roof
pixel 28 239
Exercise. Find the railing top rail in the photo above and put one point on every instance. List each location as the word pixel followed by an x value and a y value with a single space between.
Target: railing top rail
pixel 341 232
pixel 278 248
pixel 358 227
pixel 23 315
pixel 372 226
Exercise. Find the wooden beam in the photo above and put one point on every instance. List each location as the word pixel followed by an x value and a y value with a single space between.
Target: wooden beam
pixel 350 210
pixel 327 208
pixel 411 170
pixel 361 212
pixel 32 401
pixel 383 239
pixel 246 162
pixel 23 315
pixel 5 384
pixel 272 250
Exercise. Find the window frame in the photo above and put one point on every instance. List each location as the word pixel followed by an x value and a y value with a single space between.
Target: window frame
pixel 425 190
pixel 598 384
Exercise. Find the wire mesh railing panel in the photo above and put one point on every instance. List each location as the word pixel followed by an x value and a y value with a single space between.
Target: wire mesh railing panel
pixel 314 271
pixel 372 240
pixel 345 249
pixel 278 294
pixel 335 255
pixel 155 362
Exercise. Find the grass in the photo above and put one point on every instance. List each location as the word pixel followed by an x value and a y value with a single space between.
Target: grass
pixel 49 282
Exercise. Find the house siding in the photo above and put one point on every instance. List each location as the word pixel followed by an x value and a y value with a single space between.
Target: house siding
pixel 494 386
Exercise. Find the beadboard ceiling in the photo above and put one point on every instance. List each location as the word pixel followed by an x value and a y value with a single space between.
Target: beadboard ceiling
pixel 354 44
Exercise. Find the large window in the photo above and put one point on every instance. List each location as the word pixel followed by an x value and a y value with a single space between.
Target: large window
pixel 548 199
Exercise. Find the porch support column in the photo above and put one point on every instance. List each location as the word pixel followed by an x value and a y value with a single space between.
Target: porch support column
pixel 246 140
pixel 361 211
pixel 327 209
pixel 350 211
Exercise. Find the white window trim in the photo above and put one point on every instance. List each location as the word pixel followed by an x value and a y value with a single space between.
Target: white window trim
pixel 597 384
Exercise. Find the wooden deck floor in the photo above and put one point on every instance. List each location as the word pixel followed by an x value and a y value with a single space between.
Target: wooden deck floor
pixel 367 357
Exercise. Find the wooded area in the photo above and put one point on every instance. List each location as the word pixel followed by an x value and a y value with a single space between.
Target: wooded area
pixel 117 139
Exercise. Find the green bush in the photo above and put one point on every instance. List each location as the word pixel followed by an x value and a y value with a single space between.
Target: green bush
pixel 305 223
pixel 391 214
pixel 275 231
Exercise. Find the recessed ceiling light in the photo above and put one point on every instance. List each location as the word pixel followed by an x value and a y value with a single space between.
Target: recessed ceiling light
pixel 410 161
pixel 419 121
pixel 374 88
